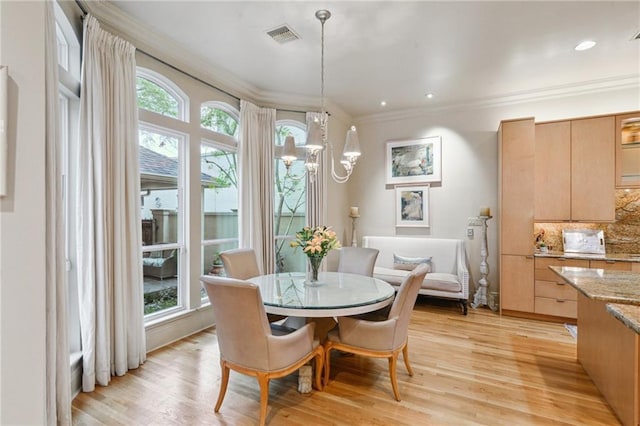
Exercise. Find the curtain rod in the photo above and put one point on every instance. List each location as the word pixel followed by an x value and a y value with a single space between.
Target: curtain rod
pixel 85 13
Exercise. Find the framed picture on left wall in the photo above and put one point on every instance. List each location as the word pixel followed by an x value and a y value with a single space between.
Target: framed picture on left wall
pixel 412 206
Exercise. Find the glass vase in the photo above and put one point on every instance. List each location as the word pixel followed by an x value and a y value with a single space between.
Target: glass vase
pixel 314 263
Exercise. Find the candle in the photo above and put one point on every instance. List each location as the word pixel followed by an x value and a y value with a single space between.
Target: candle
pixel 485 211
pixel 353 211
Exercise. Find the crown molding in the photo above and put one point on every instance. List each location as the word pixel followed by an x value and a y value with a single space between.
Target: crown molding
pixel 168 50
pixel 629 81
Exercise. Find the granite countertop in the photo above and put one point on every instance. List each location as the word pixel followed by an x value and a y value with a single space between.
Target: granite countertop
pixel 629 315
pixel 599 284
pixel 622 257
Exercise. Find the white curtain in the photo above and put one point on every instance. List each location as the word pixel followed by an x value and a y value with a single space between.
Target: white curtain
pixel 108 212
pixel 316 214
pixel 58 367
pixel 257 134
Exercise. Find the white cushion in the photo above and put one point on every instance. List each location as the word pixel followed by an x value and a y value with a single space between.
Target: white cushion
pixel 442 282
pixel 433 281
pixel 390 275
pixel 410 263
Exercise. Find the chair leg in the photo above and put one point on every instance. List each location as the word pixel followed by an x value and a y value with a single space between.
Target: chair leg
pixel 327 363
pixel 405 356
pixel 263 380
pixel 393 360
pixel 319 364
pixel 224 381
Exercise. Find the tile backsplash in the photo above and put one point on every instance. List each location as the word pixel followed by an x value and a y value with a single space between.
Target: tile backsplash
pixel 622 236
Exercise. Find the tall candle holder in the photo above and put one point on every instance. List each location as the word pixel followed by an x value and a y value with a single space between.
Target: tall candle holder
pixel 354 238
pixel 480 298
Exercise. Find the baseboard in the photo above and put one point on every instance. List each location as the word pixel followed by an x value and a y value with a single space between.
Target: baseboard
pixel 171 330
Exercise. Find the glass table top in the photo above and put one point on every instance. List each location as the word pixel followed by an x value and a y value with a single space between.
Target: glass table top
pixel 334 294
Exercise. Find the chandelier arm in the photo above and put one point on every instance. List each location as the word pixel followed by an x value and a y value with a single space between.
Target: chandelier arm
pixel 338 178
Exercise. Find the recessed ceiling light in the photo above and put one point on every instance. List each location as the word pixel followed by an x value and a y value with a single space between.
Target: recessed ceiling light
pixel 587 44
pixel 429 95
pixel 383 103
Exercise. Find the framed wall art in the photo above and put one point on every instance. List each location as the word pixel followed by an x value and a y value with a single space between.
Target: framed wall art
pixel 412 206
pixel 414 161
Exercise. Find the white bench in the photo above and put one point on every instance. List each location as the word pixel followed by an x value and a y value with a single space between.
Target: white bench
pixel 449 276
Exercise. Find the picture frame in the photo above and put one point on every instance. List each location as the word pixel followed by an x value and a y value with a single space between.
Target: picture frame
pixel 414 161
pixel 412 206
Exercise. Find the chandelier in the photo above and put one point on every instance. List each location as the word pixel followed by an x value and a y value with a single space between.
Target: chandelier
pixel 317 137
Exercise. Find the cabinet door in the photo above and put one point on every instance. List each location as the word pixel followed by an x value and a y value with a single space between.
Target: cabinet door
pixel 593 169
pixel 628 150
pixel 517 146
pixel 610 265
pixel 516 283
pixel 553 171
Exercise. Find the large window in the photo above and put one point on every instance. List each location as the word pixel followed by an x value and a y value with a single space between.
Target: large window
pixel 219 183
pixel 290 198
pixel 162 177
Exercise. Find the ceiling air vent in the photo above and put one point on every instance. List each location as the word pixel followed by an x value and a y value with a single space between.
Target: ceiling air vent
pixel 283 34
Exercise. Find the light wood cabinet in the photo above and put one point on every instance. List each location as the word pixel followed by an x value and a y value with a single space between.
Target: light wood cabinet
pixel 552 172
pixel 593 169
pixel 611 265
pixel 516 283
pixel 516 150
pixel 553 296
pixel 575 170
pixel 516 192
pixel 627 132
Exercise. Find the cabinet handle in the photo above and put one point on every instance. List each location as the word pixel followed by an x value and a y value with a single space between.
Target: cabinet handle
pixel 561 259
pixel 559 283
pixel 610 261
pixel 529 256
pixel 560 300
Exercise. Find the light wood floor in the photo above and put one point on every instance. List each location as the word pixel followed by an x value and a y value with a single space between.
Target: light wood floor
pixel 479 369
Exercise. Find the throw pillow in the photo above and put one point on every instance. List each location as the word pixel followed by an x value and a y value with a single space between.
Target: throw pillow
pixel 409 263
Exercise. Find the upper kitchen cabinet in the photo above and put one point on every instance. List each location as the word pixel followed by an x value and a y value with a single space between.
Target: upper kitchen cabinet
pixel 552 172
pixel 575 170
pixel 593 169
pixel 627 133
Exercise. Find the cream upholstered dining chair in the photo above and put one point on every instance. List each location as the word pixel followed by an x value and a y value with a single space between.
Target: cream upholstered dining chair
pixel 247 344
pixel 242 264
pixel 357 260
pixel 379 339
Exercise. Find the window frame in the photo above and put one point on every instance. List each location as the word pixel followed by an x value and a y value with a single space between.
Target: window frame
pixel 300 152
pixel 181 218
pixel 224 142
pixel 171 88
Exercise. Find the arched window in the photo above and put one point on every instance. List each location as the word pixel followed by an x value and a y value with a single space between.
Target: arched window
pixel 220 118
pixel 163 144
pixel 156 93
pixel 290 197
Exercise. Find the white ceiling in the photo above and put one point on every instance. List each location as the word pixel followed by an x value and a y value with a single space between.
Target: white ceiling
pixel 397 51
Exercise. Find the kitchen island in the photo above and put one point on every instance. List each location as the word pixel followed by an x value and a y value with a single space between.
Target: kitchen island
pixel 608 334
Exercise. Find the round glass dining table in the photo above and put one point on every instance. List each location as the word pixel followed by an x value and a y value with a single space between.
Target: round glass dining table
pixel 335 294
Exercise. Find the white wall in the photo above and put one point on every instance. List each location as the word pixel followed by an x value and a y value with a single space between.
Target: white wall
pixel 469 165
pixel 22 219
